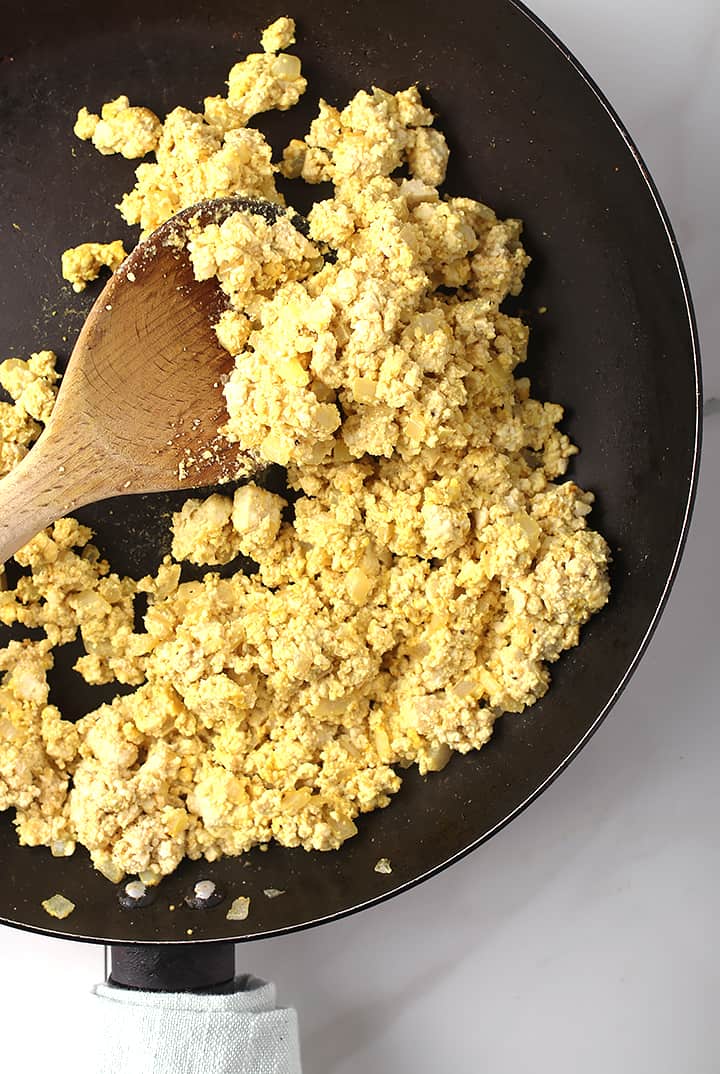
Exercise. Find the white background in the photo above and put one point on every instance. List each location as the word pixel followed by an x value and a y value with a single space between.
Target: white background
pixel 585 937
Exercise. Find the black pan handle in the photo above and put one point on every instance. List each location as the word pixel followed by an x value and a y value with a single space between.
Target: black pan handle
pixel 170 967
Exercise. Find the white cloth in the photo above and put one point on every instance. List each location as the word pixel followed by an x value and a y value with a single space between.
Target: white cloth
pixel 240 1032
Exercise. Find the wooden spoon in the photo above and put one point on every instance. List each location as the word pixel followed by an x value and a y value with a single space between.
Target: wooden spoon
pixel 142 399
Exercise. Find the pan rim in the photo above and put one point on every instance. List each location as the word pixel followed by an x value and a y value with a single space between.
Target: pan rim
pixel 663 215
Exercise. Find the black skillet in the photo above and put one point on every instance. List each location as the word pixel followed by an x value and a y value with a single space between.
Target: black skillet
pixel 531 135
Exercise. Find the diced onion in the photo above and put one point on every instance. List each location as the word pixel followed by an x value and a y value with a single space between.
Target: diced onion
pixel 110 870
pixel 149 877
pixel 239 909
pixel 286 67
pixel 58 906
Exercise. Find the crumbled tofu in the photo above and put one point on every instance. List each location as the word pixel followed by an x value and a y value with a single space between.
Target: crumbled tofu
pixel 372 136
pixel 264 81
pixel 214 153
pixel 84 263
pixel 200 157
pixel 85 124
pixel 120 128
pixel 256 517
pixel 32 386
pixel 251 257
pixel 278 35
pixel 18 431
pixel 203 532
pixel 383 866
pixel 428 569
pixel 427 156
pixel 69 588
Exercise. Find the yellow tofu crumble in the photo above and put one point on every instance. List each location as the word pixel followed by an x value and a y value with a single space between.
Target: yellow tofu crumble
pixel 84 263
pixel 32 387
pixel 429 568
pixel 120 128
pixel 278 35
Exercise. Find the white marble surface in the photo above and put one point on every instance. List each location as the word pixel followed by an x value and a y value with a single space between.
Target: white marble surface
pixel 585 937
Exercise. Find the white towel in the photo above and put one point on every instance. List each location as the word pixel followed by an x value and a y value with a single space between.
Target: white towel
pixel 240 1032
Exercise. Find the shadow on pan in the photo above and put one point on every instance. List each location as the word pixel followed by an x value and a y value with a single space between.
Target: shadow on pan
pixel 531 135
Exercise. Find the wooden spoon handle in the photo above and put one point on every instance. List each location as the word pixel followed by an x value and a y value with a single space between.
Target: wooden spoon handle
pixel 52 480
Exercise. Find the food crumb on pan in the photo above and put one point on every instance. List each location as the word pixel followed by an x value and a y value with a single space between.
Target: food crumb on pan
pixel 272 893
pixel 239 909
pixel 383 866
pixel 58 906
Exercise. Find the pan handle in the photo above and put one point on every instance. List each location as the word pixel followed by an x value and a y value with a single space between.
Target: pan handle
pixel 179 1009
pixel 170 967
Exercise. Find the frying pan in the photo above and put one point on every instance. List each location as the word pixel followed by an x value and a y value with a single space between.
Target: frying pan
pixel 532 136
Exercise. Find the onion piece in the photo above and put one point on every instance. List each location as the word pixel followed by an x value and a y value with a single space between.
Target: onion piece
pixel 239 909
pixel 58 906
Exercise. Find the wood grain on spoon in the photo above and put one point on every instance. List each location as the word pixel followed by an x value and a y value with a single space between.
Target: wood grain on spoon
pixel 141 401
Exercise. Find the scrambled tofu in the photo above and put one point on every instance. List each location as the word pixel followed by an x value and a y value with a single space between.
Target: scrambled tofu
pixel 32 386
pixel 84 263
pixel 278 35
pixel 373 135
pixel 425 566
pixel 120 128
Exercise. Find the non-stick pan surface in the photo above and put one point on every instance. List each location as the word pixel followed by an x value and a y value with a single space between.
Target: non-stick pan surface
pixel 530 135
